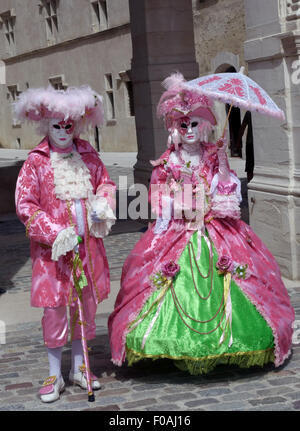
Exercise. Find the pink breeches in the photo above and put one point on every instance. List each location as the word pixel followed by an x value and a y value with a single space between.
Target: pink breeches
pixel 55 322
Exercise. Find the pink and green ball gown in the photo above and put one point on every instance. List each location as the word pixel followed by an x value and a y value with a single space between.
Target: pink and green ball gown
pixel 188 320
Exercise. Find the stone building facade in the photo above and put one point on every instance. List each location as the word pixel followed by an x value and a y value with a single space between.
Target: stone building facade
pixel 68 43
pixel 73 42
pixel 272 51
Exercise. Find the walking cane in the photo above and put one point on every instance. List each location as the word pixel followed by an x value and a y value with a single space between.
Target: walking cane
pixel 80 281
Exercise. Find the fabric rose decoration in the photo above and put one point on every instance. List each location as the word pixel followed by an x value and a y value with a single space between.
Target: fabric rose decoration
pixel 225 264
pixel 170 269
pixel 163 278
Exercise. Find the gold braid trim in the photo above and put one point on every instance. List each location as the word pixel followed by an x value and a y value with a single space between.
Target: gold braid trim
pixel 205 364
pixel 31 220
pixel 69 203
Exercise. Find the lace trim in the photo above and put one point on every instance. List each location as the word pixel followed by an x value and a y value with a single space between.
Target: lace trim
pixel 105 214
pixel 72 177
pixel 65 241
pixel 226 206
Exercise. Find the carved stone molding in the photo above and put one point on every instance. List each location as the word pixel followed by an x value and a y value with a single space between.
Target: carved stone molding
pixel 292 10
pixel 291 42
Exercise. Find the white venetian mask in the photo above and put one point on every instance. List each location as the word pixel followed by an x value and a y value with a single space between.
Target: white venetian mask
pixel 61 132
pixel 193 130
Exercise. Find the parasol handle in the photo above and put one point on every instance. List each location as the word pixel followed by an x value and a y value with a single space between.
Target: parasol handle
pixel 242 71
pixel 224 169
pixel 226 122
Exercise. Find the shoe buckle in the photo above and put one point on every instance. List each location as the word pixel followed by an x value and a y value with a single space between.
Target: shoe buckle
pixel 49 381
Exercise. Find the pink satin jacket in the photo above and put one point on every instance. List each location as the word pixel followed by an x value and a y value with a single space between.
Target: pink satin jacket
pixel 45 216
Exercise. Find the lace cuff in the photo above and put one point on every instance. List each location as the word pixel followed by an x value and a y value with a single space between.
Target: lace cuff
pixel 226 206
pixel 100 224
pixel 65 241
pixel 226 197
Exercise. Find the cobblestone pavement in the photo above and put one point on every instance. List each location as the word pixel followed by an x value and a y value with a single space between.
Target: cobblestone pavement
pixel 149 386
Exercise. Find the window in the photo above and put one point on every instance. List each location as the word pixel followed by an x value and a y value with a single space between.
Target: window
pixel 58 82
pixel 2 72
pixel 100 16
pixel 12 94
pixel 50 13
pixel 8 20
pixel 130 101
pixel 125 80
pixel 110 102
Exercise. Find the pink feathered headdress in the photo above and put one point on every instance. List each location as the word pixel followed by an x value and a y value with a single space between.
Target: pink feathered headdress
pixel 80 104
pixel 178 102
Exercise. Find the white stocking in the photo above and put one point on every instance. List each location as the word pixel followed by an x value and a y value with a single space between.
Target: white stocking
pixel 54 357
pixel 77 356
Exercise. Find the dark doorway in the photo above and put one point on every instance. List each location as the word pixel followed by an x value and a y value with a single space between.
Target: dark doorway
pixel 234 125
pixel 249 147
pixel 97 139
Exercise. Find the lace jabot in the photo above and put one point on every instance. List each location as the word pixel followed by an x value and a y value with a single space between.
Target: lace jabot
pixel 72 177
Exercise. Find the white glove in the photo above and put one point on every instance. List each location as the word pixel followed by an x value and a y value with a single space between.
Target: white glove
pixel 95 218
pixel 65 241
pixel 101 217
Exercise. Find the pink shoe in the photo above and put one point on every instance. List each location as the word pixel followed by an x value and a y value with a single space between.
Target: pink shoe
pixel 51 389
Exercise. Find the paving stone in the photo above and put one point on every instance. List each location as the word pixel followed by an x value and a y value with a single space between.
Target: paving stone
pixel 274 391
pixel 12 407
pixel 18 386
pixel 284 381
pixel 293 395
pixel 110 392
pixel 147 387
pixel 6 376
pixel 242 396
pixel 230 406
pixel 214 392
pixel 113 407
pixel 296 405
pixel 9 360
pixel 163 408
pixel 177 397
pixel 141 403
pixel 268 400
pixel 248 386
pixel 201 402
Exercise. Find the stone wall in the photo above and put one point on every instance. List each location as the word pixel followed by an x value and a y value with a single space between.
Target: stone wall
pixel 219 26
pixel 78 52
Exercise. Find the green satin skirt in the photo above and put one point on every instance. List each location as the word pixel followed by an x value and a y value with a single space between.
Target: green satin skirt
pixel 187 324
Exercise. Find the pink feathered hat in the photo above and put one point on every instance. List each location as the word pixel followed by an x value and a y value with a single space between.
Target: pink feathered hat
pixel 80 104
pixel 178 102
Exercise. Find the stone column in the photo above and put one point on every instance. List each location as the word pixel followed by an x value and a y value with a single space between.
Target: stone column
pixel 272 51
pixel 162 42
